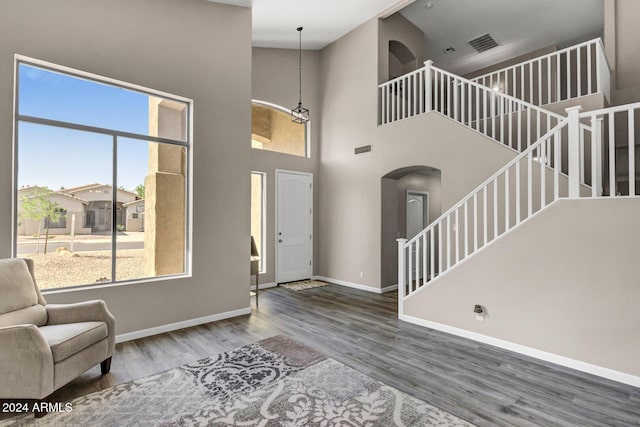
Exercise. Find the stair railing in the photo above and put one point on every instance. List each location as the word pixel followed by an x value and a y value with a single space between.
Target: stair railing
pixel 523 187
pixel 616 135
pixel 590 155
pixel 576 71
pixel 502 117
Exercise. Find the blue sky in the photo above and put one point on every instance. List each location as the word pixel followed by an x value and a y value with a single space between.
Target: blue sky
pixel 55 157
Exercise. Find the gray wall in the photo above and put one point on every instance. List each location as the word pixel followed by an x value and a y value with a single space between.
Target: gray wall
pixel 394 216
pixel 349 203
pixel 192 48
pixel 398 28
pixel 621 40
pixel 580 299
pixel 275 80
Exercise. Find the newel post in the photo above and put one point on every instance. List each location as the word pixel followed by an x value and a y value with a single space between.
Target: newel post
pixel 428 77
pixel 597 159
pixel 402 275
pixel 573 115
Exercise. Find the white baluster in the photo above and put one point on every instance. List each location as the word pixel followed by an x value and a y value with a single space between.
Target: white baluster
pixel 506 200
pixel 425 270
pixel 589 65
pixel 573 114
pixel 517 193
pixel 598 177
pixel 542 154
pixel 557 164
pixel 495 208
pixel 529 183
pixel 632 153
pixel 612 156
pixel 579 72
pixel 485 217
pixel 440 255
pixel 401 275
pixel 432 250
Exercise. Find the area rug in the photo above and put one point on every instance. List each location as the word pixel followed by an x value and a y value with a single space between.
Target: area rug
pixel 304 284
pixel 276 382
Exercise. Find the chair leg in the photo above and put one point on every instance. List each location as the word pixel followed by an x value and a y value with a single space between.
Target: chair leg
pixel 38 412
pixel 105 366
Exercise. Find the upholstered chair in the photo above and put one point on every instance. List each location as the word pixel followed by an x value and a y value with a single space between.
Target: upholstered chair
pixel 45 346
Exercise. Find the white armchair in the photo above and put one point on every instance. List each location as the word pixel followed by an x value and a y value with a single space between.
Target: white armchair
pixel 45 346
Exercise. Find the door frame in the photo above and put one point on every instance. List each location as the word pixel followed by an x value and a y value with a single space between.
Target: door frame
pixel 275 240
pixel 425 211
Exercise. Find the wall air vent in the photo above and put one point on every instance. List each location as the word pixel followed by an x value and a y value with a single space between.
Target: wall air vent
pixel 363 149
pixel 483 43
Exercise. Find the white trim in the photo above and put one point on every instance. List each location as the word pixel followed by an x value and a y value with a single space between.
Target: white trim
pixel 100 79
pixel 388 289
pixel 129 336
pixel 263 231
pixel 263 286
pixel 53 67
pixel 393 8
pixel 356 285
pixel 529 351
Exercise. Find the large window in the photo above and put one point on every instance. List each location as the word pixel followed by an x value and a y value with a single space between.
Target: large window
pixel 273 130
pixel 258 215
pixel 89 154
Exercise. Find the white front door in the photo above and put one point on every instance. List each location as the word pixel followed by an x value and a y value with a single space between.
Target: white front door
pixel 294 226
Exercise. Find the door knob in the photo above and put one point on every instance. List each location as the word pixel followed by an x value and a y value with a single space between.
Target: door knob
pixel 279 240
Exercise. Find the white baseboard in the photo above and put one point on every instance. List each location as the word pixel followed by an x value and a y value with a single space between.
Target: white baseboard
pixel 263 286
pixel 356 285
pixel 389 289
pixel 180 325
pixel 529 351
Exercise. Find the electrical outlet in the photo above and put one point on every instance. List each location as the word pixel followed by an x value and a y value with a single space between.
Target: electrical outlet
pixel 362 274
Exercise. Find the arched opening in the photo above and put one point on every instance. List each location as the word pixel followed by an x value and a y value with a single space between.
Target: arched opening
pixel 410 199
pixel 273 130
pixel 401 59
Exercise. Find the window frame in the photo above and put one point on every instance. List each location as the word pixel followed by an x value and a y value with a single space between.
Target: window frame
pixel 307 129
pixel 187 144
pixel 263 221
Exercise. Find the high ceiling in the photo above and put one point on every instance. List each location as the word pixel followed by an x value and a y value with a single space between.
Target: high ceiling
pixel 324 21
pixel 519 26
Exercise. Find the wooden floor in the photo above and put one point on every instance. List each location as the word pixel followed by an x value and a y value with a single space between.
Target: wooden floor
pixel 479 383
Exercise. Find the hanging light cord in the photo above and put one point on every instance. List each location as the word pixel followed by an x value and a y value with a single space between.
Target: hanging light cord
pixel 300 66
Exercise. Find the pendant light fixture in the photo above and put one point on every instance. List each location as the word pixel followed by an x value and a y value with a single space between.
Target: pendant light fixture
pixel 300 114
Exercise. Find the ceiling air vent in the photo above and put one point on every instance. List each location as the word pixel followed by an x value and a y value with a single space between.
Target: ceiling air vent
pixel 482 43
pixel 363 149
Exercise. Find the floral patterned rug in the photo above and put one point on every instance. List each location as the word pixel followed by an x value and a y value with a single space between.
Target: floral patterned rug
pixel 276 382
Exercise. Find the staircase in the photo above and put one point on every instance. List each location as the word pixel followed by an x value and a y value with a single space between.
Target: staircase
pixel 570 73
pixel 582 155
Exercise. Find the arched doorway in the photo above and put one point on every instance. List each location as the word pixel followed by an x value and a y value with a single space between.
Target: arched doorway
pixel 401 59
pixel 410 199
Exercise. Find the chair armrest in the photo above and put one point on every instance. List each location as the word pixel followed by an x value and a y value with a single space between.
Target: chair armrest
pixel 26 363
pixel 87 311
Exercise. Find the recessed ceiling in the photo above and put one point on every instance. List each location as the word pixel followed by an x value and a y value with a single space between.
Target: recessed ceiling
pixel 519 27
pixel 324 21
